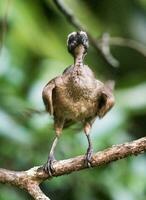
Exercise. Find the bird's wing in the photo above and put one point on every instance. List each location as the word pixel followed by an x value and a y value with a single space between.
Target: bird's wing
pixel 105 101
pixel 47 96
pixel 110 84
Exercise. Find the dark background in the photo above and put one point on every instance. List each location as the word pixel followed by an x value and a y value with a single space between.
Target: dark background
pixel 32 52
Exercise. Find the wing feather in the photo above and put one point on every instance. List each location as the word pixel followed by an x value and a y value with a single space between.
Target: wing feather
pixel 47 96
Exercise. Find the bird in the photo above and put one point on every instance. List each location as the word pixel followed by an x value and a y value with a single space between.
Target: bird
pixel 76 96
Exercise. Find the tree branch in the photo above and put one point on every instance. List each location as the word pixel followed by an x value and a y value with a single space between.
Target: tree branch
pixel 105 41
pixel 30 179
pixel 75 22
pixel 102 46
pixel 119 41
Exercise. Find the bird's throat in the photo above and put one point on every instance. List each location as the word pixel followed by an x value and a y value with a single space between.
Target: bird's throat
pixel 78 56
pixel 78 61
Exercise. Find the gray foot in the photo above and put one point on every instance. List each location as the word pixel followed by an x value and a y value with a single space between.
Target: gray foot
pixel 88 157
pixel 48 167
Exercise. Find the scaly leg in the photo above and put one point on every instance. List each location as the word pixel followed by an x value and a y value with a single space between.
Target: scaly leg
pixel 48 167
pixel 89 153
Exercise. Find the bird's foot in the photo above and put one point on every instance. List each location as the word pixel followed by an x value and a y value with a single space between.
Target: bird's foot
pixel 48 166
pixel 88 157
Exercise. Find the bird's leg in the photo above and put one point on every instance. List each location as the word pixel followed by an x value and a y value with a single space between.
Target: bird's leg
pixel 48 167
pixel 89 152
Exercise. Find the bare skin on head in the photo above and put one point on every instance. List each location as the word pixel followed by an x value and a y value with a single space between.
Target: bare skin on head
pixel 76 96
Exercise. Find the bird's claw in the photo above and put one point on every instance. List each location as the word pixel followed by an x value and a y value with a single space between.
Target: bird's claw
pixel 48 166
pixel 88 157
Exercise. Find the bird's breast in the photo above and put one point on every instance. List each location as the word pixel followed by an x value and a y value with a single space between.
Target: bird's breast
pixel 74 102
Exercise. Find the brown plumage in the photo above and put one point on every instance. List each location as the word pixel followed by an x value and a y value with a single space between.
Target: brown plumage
pixel 76 95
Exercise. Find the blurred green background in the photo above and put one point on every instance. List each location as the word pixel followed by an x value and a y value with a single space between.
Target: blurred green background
pixel 33 52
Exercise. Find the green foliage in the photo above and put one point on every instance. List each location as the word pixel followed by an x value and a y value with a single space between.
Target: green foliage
pixel 34 51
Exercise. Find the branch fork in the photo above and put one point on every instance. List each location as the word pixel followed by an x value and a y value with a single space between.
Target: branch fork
pixel 31 179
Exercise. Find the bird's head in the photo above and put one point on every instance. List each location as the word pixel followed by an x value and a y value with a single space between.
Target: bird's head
pixel 76 40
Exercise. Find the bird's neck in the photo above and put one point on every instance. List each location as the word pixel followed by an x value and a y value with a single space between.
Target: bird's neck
pixel 78 56
pixel 78 61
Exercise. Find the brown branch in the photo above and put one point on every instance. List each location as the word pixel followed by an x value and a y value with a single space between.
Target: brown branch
pixel 119 41
pixel 102 46
pixel 30 179
pixel 27 180
pixel 105 41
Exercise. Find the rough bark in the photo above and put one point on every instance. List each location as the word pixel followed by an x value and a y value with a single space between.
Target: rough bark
pixel 30 179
